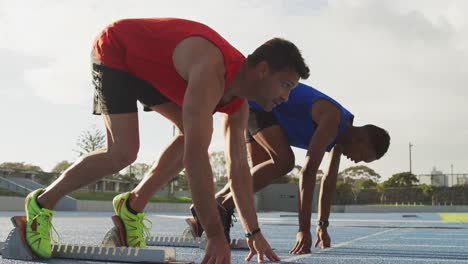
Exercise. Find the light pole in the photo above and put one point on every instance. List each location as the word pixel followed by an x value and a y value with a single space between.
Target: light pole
pixel 410 165
pixel 171 184
pixel 451 173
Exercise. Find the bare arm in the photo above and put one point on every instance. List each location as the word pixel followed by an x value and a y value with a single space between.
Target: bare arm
pixel 241 182
pixel 323 136
pixel 308 177
pixel 198 127
pixel 237 165
pixel 327 117
pixel 327 189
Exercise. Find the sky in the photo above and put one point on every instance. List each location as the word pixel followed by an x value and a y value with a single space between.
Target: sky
pixel 398 64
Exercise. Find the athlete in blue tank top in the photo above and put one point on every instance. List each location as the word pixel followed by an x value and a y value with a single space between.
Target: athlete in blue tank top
pixel 310 120
pixel 294 116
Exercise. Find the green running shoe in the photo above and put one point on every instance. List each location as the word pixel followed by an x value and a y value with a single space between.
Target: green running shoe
pixel 39 226
pixel 135 229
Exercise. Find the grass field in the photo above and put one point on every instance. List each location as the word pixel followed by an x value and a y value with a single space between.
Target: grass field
pixel 4 192
pixel 454 217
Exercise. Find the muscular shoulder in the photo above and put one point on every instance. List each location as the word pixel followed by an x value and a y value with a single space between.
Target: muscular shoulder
pixel 324 110
pixel 197 53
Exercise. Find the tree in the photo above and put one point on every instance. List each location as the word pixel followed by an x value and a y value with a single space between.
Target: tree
pixel 182 181
pixel 403 179
pixel 46 178
pixel 428 191
pixel 218 164
pixel 127 177
pixel 358 185
pixel 359 177
pixel 90 140
pixel 367 184
pixel 139 170
pixel 343 193
pixel 20 166
pixel 295 172
pixel 62 166
pixel 359 172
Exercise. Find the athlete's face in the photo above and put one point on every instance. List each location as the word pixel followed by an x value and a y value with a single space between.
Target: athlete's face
pixel 359 150
pixel 273 88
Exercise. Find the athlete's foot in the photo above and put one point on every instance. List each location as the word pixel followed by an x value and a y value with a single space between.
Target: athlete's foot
pixel 226 219
pixel 38 226
pixel 136 231
pixel 197 229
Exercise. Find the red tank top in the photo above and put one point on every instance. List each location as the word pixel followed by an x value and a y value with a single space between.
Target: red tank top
pixel 144 47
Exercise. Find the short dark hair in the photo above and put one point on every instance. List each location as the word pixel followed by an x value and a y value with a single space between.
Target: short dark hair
pixel 280 54
pixel 379 138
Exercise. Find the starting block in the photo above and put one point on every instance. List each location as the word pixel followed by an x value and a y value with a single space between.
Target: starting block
pixel 191 242
pixel 188 239
pixel 15 247
pixel 113 238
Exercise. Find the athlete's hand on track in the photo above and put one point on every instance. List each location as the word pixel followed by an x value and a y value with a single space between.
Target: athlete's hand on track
pixel 303 243
pixel 217 251
pixel 323 237
pixel 260 247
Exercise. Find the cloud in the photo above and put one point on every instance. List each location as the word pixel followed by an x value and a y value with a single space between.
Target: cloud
pixel 12 66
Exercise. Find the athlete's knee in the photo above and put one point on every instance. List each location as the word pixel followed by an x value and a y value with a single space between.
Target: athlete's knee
pixel 123 156
pixel 285 162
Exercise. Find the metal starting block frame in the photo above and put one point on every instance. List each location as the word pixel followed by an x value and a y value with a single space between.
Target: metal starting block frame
pixel 191 242
pixel 15 247
pixel 188 239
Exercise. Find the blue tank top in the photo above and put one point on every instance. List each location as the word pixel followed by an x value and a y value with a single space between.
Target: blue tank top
pixel 295 117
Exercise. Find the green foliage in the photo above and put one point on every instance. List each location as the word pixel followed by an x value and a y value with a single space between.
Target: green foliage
pixel 292 179
pixel 218 164
pixel 20 166
pixel 367 184
pixel 62 166
pixel 359 178
pixel 181 181
pixel 138 170
pixel 5 192
pixel 295 172
pixel 358 185
pixel 90 140
pixel 127 177
pixel 426 189
pixel 380 187
pixel 359 172
pixel 46 178
pixel 343 193
pixel 403 179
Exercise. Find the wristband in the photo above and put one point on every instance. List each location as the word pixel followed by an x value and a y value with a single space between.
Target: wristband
pixel 255 231
pixel 323 223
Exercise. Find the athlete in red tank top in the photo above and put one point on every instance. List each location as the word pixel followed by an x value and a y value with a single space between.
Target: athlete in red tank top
pixel 185 71
pixel 144 48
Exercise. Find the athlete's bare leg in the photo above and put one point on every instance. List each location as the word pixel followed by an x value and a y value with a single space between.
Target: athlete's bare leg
pixel 271 157
pixel 122 148
pixel 169 164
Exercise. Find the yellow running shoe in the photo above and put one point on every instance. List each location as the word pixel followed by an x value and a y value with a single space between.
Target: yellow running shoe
pixel 136 231
pixel 38 226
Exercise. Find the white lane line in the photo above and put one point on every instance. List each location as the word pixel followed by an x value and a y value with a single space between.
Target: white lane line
pixel 402 259
pixel 408 245
pixel 268 219
pixel 434 238
pixel 172 216
pixel 339 245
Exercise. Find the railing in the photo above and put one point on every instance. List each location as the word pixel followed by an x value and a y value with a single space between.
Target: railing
pixel 14 187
